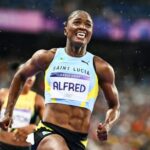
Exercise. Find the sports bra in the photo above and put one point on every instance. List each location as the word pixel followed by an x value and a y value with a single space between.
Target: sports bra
pixel 71 80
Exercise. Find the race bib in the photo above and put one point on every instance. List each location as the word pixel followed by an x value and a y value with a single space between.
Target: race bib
pixel 69 86
pixel 21 118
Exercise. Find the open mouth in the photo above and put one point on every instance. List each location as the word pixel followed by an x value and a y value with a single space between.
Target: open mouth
pixel 81 35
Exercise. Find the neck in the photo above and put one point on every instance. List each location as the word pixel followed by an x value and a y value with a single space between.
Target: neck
pixel 75 51
pixel 24 91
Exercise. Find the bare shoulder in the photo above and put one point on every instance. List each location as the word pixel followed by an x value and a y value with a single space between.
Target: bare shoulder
pixel 103 69
pixel 42 58
pixel 46 54
pixel 39 97
pixel 39 62
pixel 102 64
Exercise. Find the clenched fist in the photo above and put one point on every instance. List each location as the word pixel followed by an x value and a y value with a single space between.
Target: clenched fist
pixel 5 123
pixel 102 131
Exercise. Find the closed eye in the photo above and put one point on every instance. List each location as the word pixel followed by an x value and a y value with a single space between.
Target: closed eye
pixel 77 22
pixel 88 25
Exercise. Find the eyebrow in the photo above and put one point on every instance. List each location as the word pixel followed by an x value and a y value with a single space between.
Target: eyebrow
pixel 89 21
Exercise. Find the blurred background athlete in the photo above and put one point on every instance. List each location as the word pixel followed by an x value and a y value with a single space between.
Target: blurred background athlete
pixel 29 106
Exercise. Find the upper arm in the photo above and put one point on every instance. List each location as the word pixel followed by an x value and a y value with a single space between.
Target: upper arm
pixel 106 77
pixel 39 105
pixel 37 63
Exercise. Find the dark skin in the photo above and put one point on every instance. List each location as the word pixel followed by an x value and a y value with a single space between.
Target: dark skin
pixel 70 117
pixel 18 137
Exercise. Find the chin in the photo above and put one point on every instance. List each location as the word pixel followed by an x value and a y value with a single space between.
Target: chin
pixel 79 43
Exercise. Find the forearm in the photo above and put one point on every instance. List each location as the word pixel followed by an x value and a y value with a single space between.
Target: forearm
pixel 112 116
pixel 27 129
pixel 31 128
pixel 14 91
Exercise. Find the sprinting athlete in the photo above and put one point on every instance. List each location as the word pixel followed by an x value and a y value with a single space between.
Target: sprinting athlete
pixel 73 78
pixel 28 107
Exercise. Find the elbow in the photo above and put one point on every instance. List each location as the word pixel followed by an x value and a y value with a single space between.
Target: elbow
pixel 114 105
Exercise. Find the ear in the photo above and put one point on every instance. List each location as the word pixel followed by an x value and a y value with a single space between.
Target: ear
pixel 65 31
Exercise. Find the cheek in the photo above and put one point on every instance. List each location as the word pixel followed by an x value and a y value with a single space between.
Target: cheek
pixel 70 33
pixel 70 28
pixel 91 31
pixel 90 34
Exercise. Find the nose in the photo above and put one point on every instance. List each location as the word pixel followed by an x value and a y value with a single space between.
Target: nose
pixel 82 26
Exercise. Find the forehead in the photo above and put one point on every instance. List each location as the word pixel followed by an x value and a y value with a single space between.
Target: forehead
pixel 80 15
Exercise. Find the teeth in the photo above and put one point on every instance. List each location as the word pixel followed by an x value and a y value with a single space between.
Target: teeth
pixel 81 35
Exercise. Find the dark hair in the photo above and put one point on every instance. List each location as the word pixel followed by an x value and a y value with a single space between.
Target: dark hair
pixel 14 66
pixel 74 13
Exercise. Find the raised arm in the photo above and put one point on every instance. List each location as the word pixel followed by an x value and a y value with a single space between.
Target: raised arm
pixel 106 78
pixel 38 62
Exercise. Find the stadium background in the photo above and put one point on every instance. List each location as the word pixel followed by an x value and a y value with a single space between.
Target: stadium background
pixel 121 36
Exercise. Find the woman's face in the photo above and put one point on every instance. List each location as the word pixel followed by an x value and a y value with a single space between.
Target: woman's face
pixel 79 28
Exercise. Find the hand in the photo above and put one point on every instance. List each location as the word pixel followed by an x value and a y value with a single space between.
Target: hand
pixel 20 134
pixel 102 131
pixel 5 123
